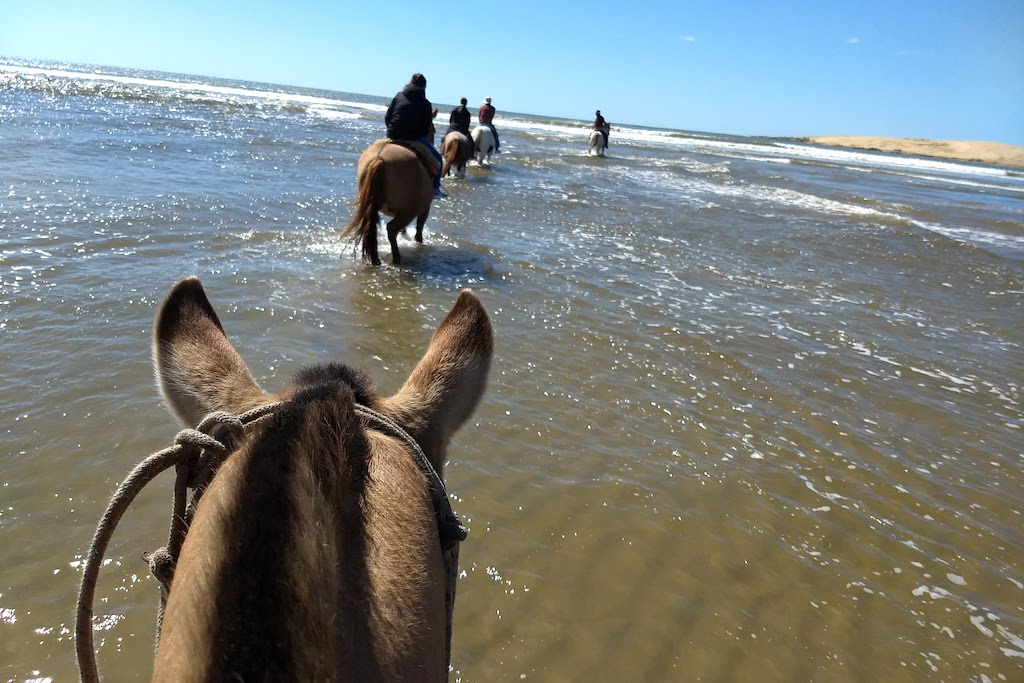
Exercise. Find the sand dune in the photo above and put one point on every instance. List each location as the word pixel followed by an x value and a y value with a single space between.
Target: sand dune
pixel 997 153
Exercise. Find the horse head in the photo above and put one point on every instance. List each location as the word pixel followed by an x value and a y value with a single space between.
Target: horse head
pixel 317 549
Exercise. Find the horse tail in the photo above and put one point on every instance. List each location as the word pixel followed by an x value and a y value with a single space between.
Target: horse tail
pixel 448 150
pixel 369 199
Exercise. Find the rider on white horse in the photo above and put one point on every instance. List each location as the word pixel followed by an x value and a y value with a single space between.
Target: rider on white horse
pixel 485 116
pixel 602 125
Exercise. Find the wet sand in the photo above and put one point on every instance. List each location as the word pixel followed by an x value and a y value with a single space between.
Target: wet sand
pixel 997 153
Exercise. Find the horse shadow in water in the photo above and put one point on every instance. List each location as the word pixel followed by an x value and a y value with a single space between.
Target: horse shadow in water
pixel 449 264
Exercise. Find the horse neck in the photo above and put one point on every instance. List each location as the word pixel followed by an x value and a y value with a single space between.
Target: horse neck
pixel 278 576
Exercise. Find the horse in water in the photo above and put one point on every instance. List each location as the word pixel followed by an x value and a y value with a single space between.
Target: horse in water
pixel 457 150
pixel 391 180
pixel 597 144
pixel 319 549
pixel 483 145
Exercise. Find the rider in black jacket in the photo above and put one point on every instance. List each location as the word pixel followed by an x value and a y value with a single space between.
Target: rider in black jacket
pixel 460 118
pixel 409 118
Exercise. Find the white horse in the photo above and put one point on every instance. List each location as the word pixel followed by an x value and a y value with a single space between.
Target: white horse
pixel 596 144
pixel 483 145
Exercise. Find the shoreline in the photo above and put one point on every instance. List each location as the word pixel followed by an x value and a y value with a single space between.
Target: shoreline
pixel 993 153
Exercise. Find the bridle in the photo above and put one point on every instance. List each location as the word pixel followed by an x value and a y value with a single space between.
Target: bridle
pixel 197 455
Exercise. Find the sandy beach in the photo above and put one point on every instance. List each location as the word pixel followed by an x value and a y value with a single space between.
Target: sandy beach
pixel 997 153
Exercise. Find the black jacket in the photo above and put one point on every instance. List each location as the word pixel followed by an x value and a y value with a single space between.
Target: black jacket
pixel 459 120
pixel 409 115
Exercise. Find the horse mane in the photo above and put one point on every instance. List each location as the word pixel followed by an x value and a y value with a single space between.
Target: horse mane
pixel 333 373
pixel 302 486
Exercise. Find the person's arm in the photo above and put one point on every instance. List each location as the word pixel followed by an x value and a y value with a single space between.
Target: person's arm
pixel 391 112
pixel 428 121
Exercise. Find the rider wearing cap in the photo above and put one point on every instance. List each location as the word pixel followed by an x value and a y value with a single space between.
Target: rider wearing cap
pixel 485 116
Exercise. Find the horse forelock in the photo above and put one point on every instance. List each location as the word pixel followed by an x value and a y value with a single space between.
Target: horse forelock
pixel 333 374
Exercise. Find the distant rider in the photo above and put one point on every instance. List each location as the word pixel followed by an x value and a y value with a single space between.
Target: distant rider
pixel 602 125
pixel 485 116
pixel 410 118
pixel 459 119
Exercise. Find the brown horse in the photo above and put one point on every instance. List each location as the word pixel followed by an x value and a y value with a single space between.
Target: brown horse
pixel 457 150
pixel 391 180
pixel 314 552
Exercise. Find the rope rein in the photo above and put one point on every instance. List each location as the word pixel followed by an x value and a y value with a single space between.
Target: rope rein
pixel 449 527
pixel 196 456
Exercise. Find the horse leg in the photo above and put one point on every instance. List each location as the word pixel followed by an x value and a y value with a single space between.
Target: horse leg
pixel 395 226
pixel 370 244
pixel 420 220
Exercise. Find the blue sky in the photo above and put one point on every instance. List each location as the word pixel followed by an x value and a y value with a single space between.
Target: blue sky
pixel 942 69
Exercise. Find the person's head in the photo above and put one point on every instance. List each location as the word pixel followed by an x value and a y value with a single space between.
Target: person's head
pixel 463 101
pixel 419 80
pixel 597 113
pixel 487 100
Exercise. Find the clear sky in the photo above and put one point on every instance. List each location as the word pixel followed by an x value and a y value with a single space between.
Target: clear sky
pixel 943 69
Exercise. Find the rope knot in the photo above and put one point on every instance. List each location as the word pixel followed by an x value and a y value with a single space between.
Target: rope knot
pixel 161 566
pixel 195 439
pixel 229 428
pixel 210 450
pixel 196 455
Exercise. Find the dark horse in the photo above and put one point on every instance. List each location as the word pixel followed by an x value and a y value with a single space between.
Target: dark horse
pixel 391 180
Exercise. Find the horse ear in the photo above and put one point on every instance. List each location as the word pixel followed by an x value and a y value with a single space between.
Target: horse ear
pixel 448 382
pixel 196 367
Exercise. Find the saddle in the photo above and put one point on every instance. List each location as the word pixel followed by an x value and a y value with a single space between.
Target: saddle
pixel 422 152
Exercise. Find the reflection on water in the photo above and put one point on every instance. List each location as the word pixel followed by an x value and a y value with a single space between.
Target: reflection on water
pixel 748 419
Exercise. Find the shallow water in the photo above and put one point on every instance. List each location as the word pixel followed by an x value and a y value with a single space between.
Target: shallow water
pixel 755 411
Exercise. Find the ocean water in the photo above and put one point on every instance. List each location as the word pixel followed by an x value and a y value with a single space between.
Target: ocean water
pixel 755 412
